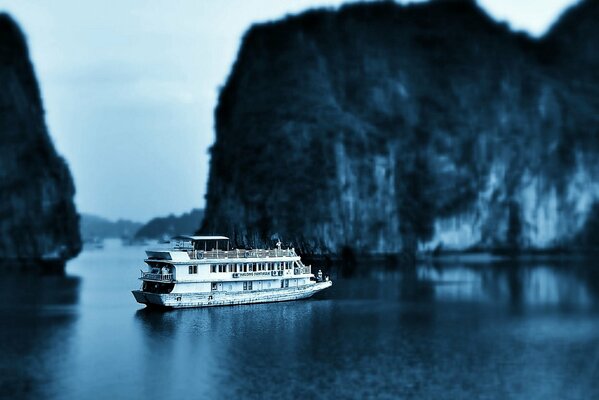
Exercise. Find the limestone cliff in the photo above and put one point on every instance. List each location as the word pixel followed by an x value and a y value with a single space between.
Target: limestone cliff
pixel 382 128
pixel 38 221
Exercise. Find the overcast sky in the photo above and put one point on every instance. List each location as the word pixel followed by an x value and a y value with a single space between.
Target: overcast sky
pixel 130 86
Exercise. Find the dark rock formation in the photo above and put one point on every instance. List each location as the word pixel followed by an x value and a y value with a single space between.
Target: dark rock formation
pixel 382 128
pixel 38 221
pixel 166 227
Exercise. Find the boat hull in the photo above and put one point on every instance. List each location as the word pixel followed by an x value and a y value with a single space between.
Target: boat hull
pixel 212 299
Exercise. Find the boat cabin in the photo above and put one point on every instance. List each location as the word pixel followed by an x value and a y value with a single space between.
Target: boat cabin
pixel 206 263
pixel 201 243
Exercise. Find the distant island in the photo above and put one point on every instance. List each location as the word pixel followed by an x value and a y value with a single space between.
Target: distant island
pixel 165 227
pixel 95 228
pixel 383 128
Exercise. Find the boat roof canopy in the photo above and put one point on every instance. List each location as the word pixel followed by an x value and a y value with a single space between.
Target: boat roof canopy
pixel 198 238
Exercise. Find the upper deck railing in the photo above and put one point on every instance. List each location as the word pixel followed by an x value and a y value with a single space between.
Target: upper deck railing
pixel 156 277
pixel 238 253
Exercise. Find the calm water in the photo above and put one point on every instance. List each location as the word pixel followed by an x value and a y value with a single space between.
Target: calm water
pixel 435 332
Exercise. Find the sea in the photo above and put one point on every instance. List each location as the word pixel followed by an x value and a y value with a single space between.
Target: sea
pixel 457 328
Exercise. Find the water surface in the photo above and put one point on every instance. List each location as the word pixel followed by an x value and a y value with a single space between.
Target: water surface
pixel 447 331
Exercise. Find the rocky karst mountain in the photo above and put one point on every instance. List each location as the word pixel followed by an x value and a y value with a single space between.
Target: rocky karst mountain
pixel 38 221
pixel 382 128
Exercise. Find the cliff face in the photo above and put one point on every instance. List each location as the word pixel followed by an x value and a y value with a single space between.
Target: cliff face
pixel 383 128
pixel 38 221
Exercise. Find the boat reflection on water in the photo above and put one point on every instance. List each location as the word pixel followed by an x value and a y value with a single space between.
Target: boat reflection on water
pixel 235 345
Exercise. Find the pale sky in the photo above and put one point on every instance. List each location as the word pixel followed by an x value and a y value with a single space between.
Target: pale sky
pixel 130 87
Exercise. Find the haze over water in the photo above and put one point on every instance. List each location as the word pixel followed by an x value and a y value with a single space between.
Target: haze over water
pixel 454 330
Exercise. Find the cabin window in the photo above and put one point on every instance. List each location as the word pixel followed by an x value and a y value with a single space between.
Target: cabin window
pixel 245 286
pixel 250 285
pixel 222 268
pixel 193 269
pixel 213 268
pixel 214 286
pixel 230 267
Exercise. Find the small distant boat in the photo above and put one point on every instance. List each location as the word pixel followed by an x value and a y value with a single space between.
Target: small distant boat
pixel 194 272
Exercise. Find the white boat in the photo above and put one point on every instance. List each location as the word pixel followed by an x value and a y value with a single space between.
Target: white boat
pixel 194 272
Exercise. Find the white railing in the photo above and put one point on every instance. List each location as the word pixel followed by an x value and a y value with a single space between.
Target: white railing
pixel 156 277
pixel 237 253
